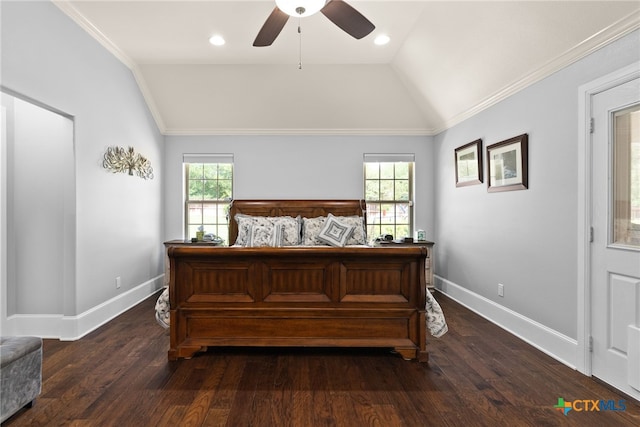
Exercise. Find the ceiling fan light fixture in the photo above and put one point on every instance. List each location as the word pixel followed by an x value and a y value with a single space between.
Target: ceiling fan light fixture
pixel 300 8
pixel 382 39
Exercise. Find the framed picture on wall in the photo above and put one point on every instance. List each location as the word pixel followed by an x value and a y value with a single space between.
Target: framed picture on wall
pixel 469 164
pixel 508 169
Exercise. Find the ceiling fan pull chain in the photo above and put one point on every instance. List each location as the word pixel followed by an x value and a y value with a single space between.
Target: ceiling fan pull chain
pixel 299 46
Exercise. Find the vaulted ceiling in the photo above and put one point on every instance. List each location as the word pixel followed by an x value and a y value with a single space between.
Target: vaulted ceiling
pixel 446 60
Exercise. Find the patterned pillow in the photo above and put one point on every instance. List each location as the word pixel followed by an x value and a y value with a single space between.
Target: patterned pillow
pixel 311 227
pixel 334 232
pixel 290 231
pixel 278 235
pixel 359 236
pixel 244 227
pixel 260 236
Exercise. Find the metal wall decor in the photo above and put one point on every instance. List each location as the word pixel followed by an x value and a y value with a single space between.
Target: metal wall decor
pixel 119 159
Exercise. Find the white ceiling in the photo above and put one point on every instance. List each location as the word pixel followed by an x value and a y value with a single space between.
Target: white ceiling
pixel 446 61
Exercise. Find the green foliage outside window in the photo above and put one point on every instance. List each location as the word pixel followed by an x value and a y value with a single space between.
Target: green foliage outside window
pixel 209 192
pixel 388 193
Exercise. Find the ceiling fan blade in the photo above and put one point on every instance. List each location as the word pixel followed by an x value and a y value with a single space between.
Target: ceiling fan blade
pixel 347 18
pixel 271 28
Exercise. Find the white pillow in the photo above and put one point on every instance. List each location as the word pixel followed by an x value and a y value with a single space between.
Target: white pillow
pixel 335 232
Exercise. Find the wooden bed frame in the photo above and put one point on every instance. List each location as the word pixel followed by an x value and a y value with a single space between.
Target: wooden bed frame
pixel 352 296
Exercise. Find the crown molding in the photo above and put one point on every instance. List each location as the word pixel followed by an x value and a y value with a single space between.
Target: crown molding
pixel 148 97
pixel 66 7
pixel 331 132
pixel 86 25
pixel 607 35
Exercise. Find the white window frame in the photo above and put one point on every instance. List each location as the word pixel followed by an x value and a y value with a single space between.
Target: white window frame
pixel 189 159
pixel 373 214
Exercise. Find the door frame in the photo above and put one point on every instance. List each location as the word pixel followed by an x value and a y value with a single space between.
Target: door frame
pixel 586 93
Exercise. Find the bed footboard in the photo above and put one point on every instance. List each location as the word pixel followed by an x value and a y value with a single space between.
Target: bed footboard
pixel 297 296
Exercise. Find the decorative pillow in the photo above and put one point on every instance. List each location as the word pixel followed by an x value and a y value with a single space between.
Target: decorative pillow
pixel 311 227
pixel 359 236
pixel 290 229
pixel 278 235
pixel 334 232
pixel 290 232
pixel 244 227
pixel 260 236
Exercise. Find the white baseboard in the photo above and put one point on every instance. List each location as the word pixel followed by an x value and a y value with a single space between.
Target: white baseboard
pixel 71 328
pixel 549 341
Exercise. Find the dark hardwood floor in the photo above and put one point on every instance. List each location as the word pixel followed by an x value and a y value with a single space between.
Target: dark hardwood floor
pixel 477 375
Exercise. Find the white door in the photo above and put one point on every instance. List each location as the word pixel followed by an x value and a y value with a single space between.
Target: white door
pixel 615 251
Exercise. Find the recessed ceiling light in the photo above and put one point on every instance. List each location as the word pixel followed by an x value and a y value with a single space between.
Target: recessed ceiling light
pixel 382 39
pixel 217 40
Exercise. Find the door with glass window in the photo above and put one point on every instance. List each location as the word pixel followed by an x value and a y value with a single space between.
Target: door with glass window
pixel 615 251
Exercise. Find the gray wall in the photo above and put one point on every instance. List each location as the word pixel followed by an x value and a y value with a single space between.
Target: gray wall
pixel 118 218
pixel 297 167
pixel 40 207
pixel 526 240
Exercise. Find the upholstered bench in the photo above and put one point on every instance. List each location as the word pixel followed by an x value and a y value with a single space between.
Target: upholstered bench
pixel 20 373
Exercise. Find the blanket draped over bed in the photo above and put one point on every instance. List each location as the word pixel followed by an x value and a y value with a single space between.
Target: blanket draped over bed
pixel 268 289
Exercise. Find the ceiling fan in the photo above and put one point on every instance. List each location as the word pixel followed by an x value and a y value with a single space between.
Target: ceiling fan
pixel 338 12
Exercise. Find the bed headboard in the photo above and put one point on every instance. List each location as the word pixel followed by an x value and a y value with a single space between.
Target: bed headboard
pixel 304 208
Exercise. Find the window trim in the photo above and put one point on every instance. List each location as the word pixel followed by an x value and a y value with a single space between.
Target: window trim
pixel 203 159
pixel 392 158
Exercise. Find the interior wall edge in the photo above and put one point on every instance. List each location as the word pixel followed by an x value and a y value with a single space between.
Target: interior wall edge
pixel 72 328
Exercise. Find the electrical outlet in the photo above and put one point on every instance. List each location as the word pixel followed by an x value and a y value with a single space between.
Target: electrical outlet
pixel 500 290
pixel 118 282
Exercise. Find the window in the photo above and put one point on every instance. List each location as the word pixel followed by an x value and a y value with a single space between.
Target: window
pixel 626 177
pixel 388 190
pixel 208 193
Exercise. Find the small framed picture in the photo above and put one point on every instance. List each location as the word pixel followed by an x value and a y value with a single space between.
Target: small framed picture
pixel 508 169
pixel 469 164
